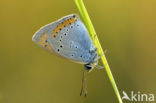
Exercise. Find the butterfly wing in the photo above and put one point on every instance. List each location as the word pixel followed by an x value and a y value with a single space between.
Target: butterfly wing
pixel 67 37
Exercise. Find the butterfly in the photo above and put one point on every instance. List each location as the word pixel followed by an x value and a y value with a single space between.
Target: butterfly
pixel 69 38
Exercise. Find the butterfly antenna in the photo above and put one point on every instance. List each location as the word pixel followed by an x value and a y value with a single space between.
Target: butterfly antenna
pixel 82 82
pixel 85 84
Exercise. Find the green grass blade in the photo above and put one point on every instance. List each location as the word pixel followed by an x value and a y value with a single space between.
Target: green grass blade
pixel 92 32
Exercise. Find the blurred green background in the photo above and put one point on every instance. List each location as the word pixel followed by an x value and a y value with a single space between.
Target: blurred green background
pixel 28 74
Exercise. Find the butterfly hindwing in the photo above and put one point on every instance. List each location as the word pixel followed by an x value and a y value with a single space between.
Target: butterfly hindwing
pixel 67 37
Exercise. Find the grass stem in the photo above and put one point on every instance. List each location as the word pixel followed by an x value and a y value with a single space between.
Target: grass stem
pixel 92 32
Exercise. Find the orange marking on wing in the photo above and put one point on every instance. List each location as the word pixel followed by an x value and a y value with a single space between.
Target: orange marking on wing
pixel 44 43
pixel 62 25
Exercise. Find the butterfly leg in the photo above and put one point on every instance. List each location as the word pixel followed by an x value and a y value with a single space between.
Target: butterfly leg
pixel 105 51
pixel 94 38
pixel 98 66
pixel 100 55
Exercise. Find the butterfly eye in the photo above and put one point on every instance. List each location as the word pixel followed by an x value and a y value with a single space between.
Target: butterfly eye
pixel 88 66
